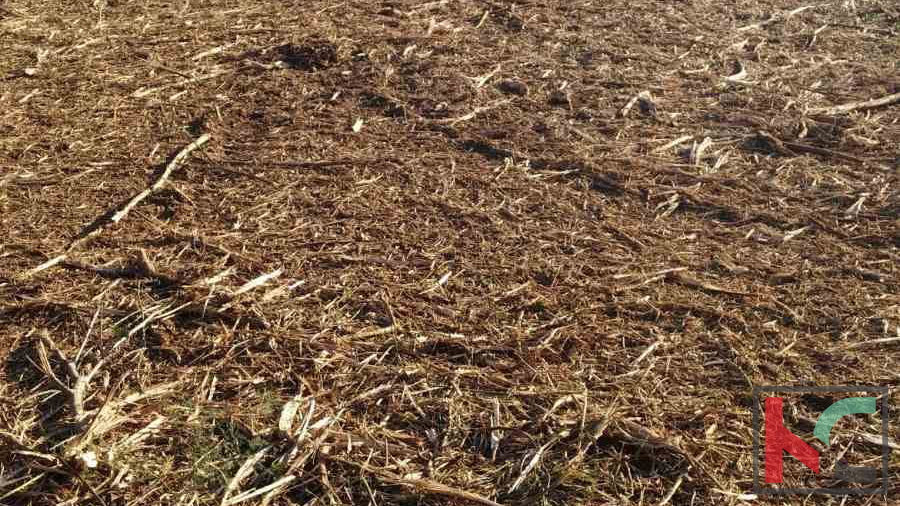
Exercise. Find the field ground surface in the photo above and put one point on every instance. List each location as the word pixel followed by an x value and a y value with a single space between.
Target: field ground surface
pixel 441 252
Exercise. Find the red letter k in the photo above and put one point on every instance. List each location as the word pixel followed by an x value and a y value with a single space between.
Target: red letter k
pixel 779 439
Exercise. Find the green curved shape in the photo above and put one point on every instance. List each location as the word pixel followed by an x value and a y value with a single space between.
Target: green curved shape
pixel 838 410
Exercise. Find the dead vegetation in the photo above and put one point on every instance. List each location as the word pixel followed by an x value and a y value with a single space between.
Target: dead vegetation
pixel 446 252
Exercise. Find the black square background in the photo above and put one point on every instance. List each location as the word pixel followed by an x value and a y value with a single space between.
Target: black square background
pixel 885 449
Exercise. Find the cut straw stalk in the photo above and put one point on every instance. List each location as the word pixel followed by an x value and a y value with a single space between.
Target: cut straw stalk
pixel 144 92
pixel 163 178
pixel 123 212
pixel 423 485
pixel 858 106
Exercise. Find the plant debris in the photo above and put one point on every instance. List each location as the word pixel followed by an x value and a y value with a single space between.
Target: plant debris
pixel 437 252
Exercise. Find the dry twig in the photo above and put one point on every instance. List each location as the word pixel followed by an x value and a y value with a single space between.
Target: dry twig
pixel 858 106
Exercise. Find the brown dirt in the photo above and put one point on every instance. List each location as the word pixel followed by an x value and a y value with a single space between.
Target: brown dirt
pixel 495 273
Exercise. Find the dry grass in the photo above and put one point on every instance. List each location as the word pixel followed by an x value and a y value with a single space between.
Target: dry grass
pixel 449 252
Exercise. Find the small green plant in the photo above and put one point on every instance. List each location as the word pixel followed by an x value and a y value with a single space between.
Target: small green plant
pixel 270 402
pixel 871 17
pixel 217 450
pixel 120 332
